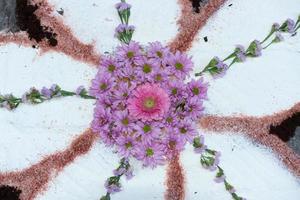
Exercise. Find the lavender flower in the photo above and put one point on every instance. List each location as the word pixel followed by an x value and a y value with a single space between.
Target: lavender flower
pixel 220 179
pixel 288 26
pixel 124 33
pixel 129 53
pixel 80 90
pixel 33 96
pixel 9 101
pixel 181 64
pixel 151 154
pixel 120 171
pixel 101 84
pixel 122 6
pixel 126 145
pixel 159 75
pixel 240 53
pixel 232 190
pixel 275 27
pixel 185 131
pixel 173 145
pixel 158 52
pixel 216 67
pixel 124 90
pixel 176 90
pixel 112 186
pixel 149 131
pixel 254 49
pixel 101 118
pixel 123 121
pixel 6 105
pixel 129 173
pixel 199 146
pixel 123 9
pixel 47 93
pixel 194 108
pixel 110 64
pixel 198 88
pixel 55 90
pixel 278 38
pixel 146 69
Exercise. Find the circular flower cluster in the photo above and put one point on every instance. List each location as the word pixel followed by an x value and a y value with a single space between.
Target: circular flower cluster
pixel 145 108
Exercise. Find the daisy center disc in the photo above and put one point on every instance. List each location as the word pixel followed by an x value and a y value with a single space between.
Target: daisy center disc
pixel 149 103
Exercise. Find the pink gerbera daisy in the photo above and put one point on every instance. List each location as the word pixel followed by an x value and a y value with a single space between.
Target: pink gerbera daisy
pixel 149 102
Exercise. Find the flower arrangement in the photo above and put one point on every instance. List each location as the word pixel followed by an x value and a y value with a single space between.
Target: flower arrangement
pixel 145 107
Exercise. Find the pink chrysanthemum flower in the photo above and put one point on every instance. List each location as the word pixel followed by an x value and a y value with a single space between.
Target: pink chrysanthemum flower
pixel 149 102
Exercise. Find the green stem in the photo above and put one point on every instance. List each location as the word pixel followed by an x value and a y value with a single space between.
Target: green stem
pixel 68 94
pixel 37 98
pixel 268 36
pixel 106 197
pixel 230 56
pixel 207 160
pixel 200 73
pixel 234 61
pixel 269 44
pixel 297 28
pixel 298 21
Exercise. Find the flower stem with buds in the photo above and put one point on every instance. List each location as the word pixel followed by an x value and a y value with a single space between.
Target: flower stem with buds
pixel 254 49
pixel 124 32
pixel 34 96
pixel 210 160
pixel 113 184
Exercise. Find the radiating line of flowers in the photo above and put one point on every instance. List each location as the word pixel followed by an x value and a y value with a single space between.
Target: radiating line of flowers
pixel 124 31
pixel 112 184
pixel 145 109
pixel 210 160
pixel 35 96
pixel 218 67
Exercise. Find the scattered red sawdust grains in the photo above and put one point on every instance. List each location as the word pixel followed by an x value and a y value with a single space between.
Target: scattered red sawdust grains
pixel 67 42
pixel 257 128
pixel 35 179
pixel 190 23
pixel 175 181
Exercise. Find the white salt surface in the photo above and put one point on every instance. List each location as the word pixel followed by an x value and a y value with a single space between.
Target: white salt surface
pixel 94 21
pixel 40 130
pixel 85 178
pixel 252 169
pixel 263 85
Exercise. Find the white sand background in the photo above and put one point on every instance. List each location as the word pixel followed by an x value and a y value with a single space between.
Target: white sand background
pixel 260 86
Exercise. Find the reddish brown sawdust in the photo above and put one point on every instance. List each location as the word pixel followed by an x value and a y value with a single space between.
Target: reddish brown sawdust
pixel 258 129
pixel 190 23
pixel 175 181
pixel 35 179
pixel 67 42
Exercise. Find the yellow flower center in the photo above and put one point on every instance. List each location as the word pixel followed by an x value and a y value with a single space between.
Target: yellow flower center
pixel 179 66
pixel 149 103
pixel 130 54
pixel 149 152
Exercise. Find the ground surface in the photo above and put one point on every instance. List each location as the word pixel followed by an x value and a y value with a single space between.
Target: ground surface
pixel 7 15
pixel 31 133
